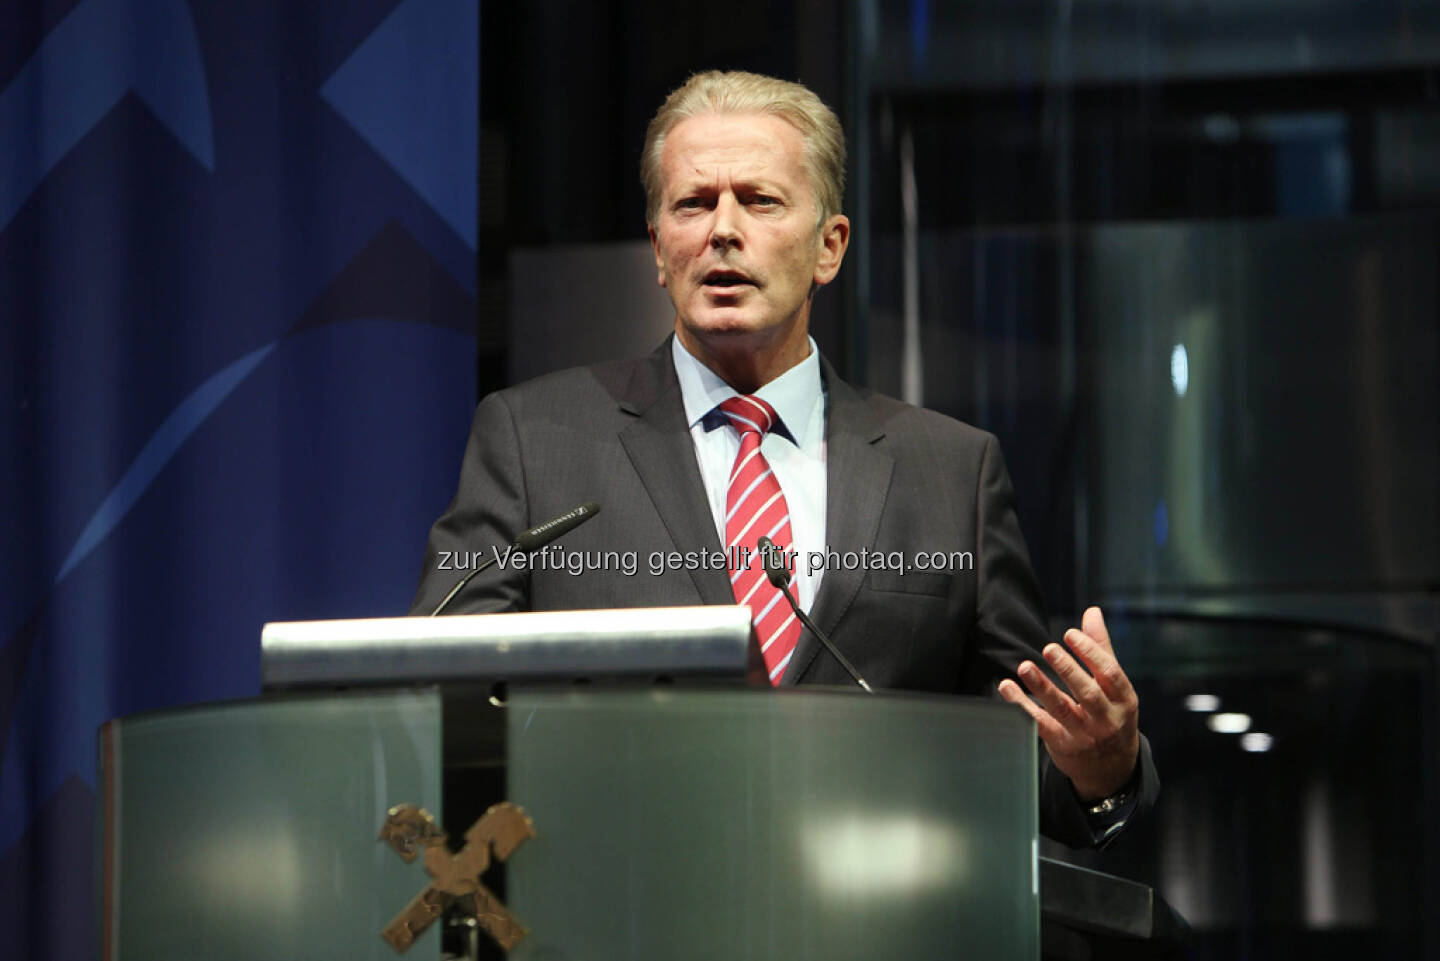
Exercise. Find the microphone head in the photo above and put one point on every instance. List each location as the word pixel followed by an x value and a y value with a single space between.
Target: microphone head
pixel 537 537
pixel 774 565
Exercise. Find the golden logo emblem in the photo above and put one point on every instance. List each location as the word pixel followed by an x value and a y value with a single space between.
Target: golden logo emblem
pixel 455 877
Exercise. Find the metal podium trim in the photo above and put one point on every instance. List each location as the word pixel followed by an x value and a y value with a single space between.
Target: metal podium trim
pixel 704 641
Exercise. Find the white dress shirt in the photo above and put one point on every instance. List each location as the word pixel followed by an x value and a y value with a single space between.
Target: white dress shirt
pixel 795 449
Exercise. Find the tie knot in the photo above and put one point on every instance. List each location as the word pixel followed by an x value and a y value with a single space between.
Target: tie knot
pixel 749 414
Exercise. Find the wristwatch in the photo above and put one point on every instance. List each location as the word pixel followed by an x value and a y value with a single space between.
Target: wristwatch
pixel 1110 804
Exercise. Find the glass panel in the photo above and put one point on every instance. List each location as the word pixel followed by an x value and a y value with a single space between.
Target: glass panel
pixel 800 825
pixel 248 830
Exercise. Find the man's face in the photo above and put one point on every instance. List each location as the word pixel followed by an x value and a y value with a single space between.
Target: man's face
pixel 735 239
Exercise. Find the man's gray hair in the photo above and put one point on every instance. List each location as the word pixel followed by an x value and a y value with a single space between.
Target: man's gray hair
pixel 717 92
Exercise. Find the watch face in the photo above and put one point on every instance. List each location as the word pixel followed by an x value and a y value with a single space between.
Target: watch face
pixel 1109 804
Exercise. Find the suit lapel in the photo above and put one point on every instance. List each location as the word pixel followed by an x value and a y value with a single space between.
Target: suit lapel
pixel 857 481
pixel 659 445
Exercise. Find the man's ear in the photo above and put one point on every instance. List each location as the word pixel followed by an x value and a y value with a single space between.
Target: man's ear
pixel 655 247
pixel 834 238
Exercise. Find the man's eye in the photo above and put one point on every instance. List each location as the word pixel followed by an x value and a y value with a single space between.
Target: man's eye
pixel 690 203
pixel 764 200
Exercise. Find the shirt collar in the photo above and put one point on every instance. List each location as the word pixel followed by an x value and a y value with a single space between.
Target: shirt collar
pixel 794 394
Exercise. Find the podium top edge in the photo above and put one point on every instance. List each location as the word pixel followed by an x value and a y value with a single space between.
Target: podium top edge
pixel 698 619
pixel 706 640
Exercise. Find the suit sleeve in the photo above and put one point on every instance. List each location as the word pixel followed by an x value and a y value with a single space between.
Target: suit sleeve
pixel 1009 628
pixel 489 510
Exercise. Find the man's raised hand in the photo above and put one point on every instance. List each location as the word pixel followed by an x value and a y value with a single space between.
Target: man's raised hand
pixel 1091 730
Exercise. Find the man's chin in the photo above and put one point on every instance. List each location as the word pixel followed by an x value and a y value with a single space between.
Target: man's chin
pixel 727 324
pixel 743 352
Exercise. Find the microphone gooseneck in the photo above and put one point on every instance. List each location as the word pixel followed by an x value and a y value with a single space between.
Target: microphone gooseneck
pixel 779 576
pixel 530 540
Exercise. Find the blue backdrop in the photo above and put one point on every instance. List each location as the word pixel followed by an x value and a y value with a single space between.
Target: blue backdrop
pixel 237 269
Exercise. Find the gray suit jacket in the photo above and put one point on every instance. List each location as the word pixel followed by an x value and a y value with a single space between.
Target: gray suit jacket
pixel 900 479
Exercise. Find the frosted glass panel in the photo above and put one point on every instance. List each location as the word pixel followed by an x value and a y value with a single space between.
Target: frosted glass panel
pixel 799 825
pixel 247 830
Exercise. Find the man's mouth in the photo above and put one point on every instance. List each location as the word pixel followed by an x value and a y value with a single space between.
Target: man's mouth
pixel 727 279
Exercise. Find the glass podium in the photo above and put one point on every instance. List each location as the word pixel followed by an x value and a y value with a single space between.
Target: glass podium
pixel 678 820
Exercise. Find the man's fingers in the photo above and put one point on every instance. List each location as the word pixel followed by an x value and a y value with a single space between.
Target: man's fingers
pixel 1101 663
pixel 1092 622
pixel 1050 730
pixel 1082 686
pixel 1060 705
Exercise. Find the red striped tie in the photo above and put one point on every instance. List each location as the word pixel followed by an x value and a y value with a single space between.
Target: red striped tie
pixel 755 507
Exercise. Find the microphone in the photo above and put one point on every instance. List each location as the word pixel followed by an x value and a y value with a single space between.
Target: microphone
pixel 537 537
pixel 780 577
pixel 531 540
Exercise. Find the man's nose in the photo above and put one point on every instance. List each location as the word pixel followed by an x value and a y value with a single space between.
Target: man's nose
pixel 725 229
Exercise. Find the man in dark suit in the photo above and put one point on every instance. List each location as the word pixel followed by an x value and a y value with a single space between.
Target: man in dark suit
pixel 906 547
